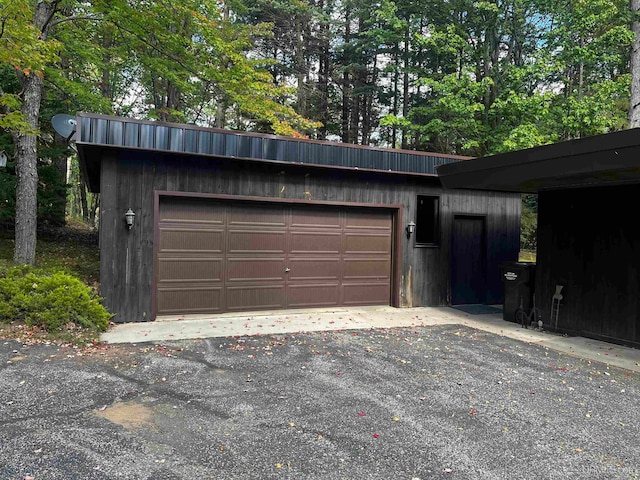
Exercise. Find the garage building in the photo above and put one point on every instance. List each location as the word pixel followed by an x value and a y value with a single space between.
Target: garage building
pixel 227 221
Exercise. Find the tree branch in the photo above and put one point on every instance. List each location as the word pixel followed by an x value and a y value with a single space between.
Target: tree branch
pixel 46 25
pixel 71 19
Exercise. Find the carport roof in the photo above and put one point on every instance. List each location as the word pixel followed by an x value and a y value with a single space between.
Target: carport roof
pixel 609 159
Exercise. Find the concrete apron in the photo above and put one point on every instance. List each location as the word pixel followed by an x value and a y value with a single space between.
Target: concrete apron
pixel 317 320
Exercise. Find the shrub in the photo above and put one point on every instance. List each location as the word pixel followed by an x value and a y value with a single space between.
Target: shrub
pixel 49 301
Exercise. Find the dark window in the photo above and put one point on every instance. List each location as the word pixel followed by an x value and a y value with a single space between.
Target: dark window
pixel 428 220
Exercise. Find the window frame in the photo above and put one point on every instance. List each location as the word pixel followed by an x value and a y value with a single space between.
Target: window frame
pixel 436 222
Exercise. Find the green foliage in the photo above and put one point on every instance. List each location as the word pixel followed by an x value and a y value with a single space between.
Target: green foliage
pixel 49 301
pixel 529 222
pixel 51 195
pixel 23 49
pixel 7 197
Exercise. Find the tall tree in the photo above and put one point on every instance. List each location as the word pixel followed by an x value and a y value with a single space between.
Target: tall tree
pixel 183 56
pixel 25 39
pixel 634 100
pixel 587 44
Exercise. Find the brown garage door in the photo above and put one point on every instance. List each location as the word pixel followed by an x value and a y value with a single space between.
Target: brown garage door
pixel 218 256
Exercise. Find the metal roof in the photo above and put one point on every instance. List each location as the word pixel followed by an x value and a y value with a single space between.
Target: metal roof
pixel 608 159
pixel 95 130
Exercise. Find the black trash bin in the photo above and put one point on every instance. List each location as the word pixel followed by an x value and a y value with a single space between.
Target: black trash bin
pixel 519 282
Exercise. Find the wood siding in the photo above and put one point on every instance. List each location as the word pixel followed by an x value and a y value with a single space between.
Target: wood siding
pixel 588 242
pixel 130 178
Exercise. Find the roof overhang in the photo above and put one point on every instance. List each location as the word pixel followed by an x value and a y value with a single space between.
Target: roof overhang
pixel 609 159
pixel 91 156
pixel 101 136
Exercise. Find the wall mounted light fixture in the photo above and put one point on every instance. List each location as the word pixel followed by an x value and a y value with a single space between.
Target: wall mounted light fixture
pixel 129 216
pixel 411 227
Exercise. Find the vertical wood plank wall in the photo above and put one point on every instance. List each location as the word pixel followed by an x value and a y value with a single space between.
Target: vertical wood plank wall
pixel 588 242
pixel 129 181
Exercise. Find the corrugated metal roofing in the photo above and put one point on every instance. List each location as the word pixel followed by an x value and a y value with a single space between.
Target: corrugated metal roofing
pixel 103 130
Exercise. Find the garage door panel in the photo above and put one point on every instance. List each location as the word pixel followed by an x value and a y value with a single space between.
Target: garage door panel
pixel 371 220
pixel 250 215
pixel 315 218
pixel 314 295
pixel 255 297
pixel 313 269
pixel 191 210
pixel 256 241
pixel 315 242
pixel 182 300
pixel 367 243
pixel 197 240
pixel 378 269
pixel 366 293
pixel 251 269
pixel 188 269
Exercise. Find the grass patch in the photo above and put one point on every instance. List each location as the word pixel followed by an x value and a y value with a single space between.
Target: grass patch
pixel 73 250
pixel 527 256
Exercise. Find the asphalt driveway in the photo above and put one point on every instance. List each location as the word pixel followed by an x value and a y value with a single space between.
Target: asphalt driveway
pixel 441 401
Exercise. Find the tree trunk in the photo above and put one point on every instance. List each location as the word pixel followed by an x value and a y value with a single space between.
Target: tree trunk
pixel 324 58
pixel 221 112
pixel 27 176
pixel 634 100
pixel 346 90
pixel 394 109
pixel 300 68
pixel 93 211
pixel 27 151
pixel 405 83
pixel 84 207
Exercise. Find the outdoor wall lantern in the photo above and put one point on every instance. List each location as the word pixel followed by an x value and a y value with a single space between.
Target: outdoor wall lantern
pixel 411 227
pixel 129 216
pixel 3 159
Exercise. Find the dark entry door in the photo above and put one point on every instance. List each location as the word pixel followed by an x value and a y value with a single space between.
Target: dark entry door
pixel 468 260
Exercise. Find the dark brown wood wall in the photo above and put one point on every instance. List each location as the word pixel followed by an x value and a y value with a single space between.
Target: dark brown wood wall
pixel 588 242
pixel 129 180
